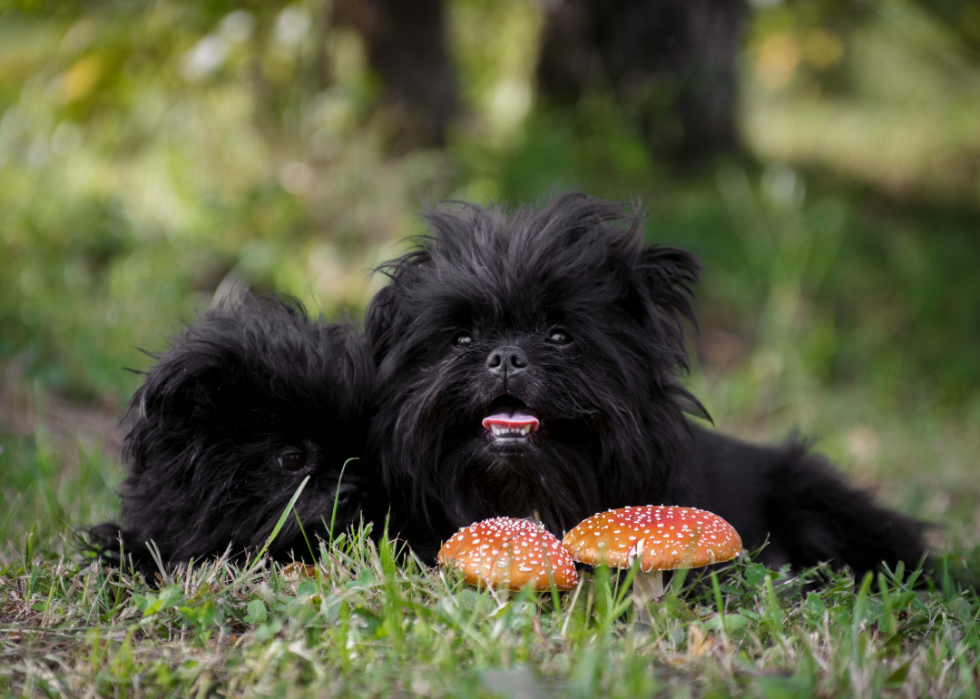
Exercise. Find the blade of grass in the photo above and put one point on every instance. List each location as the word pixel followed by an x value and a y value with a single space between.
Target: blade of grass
pixel 302 531
pixel 277 528
pixel 719 602
pixel 336 496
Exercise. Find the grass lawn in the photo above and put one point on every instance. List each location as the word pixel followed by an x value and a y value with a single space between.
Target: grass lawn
pixel 361 624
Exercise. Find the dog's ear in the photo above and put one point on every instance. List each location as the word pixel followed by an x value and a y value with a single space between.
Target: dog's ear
pixel 385 318
pixel 666 277
pixel 670 275
pixel 183 392
pixel 379 319
pixel 186 393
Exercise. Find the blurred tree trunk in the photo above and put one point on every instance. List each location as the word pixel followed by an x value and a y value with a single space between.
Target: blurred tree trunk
pixel 405 41
pixel 671 61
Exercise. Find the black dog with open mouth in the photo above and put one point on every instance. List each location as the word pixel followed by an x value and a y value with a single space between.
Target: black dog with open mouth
pixel 528 365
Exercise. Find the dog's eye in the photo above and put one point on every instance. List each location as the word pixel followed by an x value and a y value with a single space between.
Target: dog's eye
pixel 559 337
pixel 293 461
pixel 463 339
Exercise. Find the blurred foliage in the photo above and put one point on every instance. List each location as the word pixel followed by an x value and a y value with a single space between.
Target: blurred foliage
pixel 962 17
pixel 152 152
pixel 883 92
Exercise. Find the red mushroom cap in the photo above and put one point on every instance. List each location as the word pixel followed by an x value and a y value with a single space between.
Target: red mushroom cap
pixel 665 538
pixel 507 553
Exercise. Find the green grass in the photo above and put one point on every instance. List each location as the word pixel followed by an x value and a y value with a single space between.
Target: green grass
pixel 366 621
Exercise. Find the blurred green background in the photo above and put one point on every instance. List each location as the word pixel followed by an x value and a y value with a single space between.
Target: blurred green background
pixel 154 153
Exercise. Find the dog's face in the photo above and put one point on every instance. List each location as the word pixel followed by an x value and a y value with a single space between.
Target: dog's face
pixel 229 423
pixel 529 363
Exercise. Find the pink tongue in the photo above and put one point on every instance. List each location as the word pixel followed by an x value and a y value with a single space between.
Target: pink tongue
pixel 516 419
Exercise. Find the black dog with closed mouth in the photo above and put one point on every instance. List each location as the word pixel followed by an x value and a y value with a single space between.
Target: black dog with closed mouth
pixel 227 425
pixel 524 364
pixel 528 365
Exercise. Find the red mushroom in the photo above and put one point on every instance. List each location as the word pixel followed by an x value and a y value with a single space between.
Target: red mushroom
pixel 657 539
pixel 506 553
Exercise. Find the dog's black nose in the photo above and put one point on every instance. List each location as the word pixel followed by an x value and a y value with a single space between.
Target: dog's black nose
pixel 507 361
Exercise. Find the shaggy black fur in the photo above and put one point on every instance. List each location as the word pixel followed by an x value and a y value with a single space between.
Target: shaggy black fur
pixel 561 312
pixel 228 423
pixel 588 322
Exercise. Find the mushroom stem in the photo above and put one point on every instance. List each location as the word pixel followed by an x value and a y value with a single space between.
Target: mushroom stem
pixel 646 587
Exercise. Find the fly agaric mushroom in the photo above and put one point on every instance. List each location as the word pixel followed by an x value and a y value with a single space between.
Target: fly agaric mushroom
pixel 509 554
pixel 657 539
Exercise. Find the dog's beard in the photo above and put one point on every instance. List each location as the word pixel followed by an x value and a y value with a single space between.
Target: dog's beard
pixel 549 479
pixel 585 457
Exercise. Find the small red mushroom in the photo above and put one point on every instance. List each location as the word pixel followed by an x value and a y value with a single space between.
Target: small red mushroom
pixel 657 539
pixel 509 554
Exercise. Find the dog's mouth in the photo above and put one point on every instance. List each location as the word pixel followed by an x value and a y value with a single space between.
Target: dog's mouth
pixel 510 420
